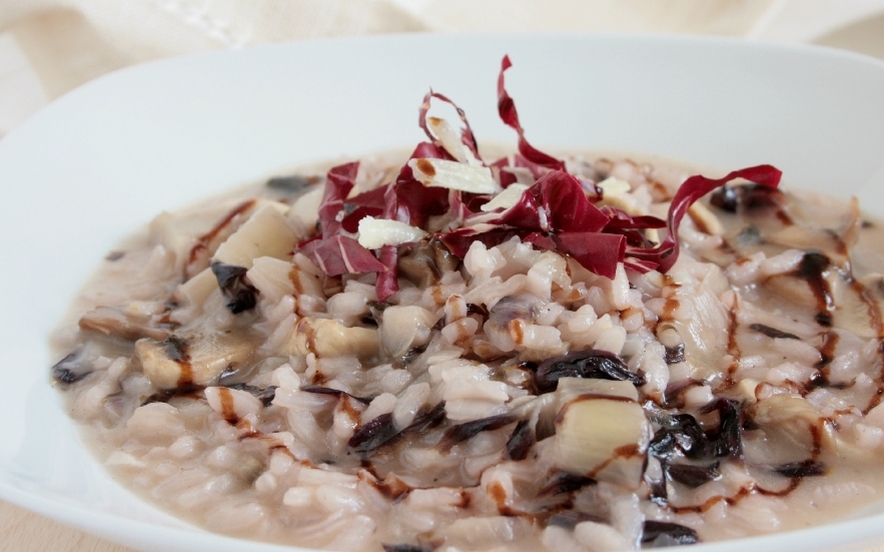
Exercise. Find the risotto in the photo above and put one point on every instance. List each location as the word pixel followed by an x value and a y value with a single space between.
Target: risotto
pixel 444 351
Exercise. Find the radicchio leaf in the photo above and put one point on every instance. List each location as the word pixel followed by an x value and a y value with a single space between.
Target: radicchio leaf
pixel 506 108
pixel 695 187
pixel 565 483
pixel 692 475
pixel 406 548
pixel 339 181
pixel 555 213
pixel 589 363
pixel 556 202
pixel 388 280
pixel 683 431
pixel 320 390
pixel 520 442
pixel 234 284
pixel 467 137
pixel 366 204
pixel 340 254
pixel 374 434
pixel 71 368
pixel 570 518
pixel 658 534
pixel 466 430
pixel 805 468
pixel 409 201
pixel 596 251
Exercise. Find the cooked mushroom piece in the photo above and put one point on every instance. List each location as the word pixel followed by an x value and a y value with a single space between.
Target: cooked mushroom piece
pixel 404 327
pixel 128 324
pixel 326 337
pixel 794 431
pixel 186 360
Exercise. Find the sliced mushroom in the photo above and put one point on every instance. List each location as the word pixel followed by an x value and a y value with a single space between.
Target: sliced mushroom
pixel 793 429
pixel 128 324
pixel 194 360
pixel 426 262
pixel 326 337
pixel 232 404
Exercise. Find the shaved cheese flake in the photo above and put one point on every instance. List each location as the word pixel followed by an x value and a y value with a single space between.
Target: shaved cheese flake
pixel 375 233
pixel 450 140
pixel 453 175
pixel 505 199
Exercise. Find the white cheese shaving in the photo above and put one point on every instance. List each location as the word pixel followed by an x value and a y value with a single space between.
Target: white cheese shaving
pixel 453 175
pixel 450 140
pixel 375 233
pixel 505 199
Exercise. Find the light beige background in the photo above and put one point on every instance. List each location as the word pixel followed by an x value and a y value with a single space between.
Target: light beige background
pixel 48 47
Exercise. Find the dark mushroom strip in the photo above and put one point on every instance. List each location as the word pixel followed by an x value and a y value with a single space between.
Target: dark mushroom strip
pixel 589 363
pixel 565 482
pixel 71 368
pixel 570 518
pixel 658 534
pixel 520 442
pixel 426 262
pixel 462 432
pixel 292 184
pixel 241 295
pixel 320 390
pixel 772 332
pixel 406 548
pixel 691 475
pixel 381 431
pixel 119 323
pixel 374 434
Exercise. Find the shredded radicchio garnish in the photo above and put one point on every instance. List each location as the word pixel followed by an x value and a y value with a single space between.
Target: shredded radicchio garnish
pixel 374 434
pixel 235 286
pixel 683 432
pixel 659 534
pixel 554 213
pixel 461 432
pixel 588 363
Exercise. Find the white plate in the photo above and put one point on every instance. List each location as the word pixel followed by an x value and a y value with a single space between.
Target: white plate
pixel 107 157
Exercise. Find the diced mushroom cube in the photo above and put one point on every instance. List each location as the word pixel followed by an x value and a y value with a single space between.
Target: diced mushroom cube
pixel 601 431
pixel 267 233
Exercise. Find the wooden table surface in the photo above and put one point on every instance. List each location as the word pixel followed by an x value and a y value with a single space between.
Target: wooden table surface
pixel 24 531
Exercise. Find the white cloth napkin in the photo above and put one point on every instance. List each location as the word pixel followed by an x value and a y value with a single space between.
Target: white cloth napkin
pixel 48 47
